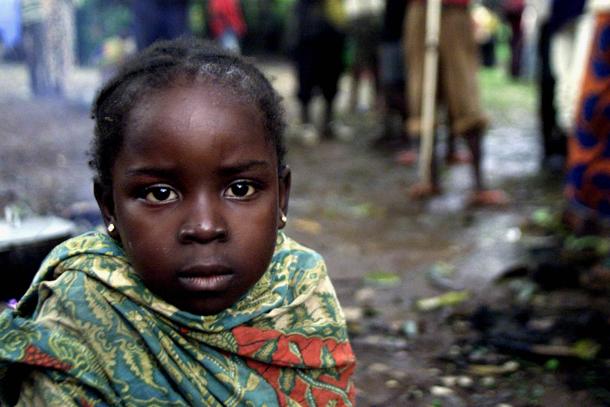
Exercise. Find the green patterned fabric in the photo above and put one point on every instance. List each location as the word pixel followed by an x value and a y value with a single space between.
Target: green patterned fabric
pixel 89 333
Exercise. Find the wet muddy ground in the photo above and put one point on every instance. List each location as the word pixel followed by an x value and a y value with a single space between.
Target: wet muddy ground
pixel 349 202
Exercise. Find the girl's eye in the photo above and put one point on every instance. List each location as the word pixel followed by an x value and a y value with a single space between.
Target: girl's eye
pixel 240 190
pixel 160 194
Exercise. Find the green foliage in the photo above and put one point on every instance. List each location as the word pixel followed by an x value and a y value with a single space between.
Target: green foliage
pixel 382 277
pixel 552 364
pixel 586 349
pixel 596 244
pixel 499 93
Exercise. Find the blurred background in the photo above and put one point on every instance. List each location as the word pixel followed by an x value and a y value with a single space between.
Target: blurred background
pixel 450 302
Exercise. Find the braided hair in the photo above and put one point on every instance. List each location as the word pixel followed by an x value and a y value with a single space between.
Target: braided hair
pixel 162 65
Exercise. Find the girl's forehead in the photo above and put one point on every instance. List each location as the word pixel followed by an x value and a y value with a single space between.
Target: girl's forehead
pixel 203 90
pixel 201 114
pixel 200 104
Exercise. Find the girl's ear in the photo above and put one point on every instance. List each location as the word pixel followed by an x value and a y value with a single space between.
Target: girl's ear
pixel 103 196
pixel 284 192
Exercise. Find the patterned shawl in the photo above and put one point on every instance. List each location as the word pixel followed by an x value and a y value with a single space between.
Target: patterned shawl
pixel 89 333
pixel 588 176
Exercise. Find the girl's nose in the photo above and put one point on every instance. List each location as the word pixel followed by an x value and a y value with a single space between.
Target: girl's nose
pixel 204 223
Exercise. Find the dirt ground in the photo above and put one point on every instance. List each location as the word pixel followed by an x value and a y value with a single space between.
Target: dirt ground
pixel 349 202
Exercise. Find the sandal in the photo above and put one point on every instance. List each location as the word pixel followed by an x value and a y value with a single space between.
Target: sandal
pixel 421 191
pixel 490 197
pixel 406 158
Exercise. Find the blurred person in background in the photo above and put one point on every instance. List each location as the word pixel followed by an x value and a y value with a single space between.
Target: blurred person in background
pixel 486 24
pixel 159 20
pixel 392 77
pixel 363 36
pixel 226 23
pixel 553 136
pixel 570 30
pixel 512 11
pixel 317 49
pixel 457 86
pixel 10 25
pixel 48 41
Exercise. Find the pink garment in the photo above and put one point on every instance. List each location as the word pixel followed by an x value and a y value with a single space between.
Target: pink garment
pixel 225 14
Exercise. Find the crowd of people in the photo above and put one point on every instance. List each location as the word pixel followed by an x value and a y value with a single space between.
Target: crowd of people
pixel 549 41
pixel 397 72
pixel 559 44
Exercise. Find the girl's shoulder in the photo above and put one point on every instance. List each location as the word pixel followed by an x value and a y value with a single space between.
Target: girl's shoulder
pixel 288 247
pixel 88 252
pixel 296 266
pixel 69 265
pixel 93 242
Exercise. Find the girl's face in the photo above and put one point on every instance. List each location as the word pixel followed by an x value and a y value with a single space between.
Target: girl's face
pixel 196 196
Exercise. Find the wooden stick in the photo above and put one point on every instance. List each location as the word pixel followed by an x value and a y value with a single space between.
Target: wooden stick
pixel 430 81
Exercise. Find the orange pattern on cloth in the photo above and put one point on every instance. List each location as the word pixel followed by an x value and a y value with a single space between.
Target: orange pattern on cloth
pixel 588 181
pixel 36 357
pixel 299 352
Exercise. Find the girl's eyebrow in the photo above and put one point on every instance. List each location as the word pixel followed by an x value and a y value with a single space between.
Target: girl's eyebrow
pixel 244 166
pixel 232 169
pixel 150 172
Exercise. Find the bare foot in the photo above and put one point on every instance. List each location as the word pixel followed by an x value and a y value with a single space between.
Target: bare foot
pixel 406 157
pixel 421 191
pixel 458 157
pixel 491 197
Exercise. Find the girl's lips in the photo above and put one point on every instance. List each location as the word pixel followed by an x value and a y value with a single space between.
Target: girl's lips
pixel 206 278
pixel 206 283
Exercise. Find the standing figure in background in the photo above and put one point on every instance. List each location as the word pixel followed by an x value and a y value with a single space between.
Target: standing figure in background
pixel 392 76
pixel 553 137
pixel 227 23
pixel 318 54
pixel 458 88
pixel 570 29
pixel 48 39
pixel 486 27
pixel 513 10
pixel 10 26
pixel 32 18
pixel 588 182
pixel 159 20
pixel 363 32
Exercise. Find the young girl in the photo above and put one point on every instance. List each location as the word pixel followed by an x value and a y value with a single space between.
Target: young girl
pixel 194 297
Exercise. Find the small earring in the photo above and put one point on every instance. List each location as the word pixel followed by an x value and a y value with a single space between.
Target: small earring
pixel 110 227
pixel 283 217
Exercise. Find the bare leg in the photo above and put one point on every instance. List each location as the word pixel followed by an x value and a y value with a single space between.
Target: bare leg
pixel 355 84
pixel 423 190
pixel 480 195
pixel 473 138
pixel 450 146
pixel 327 132
pixel 455 155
